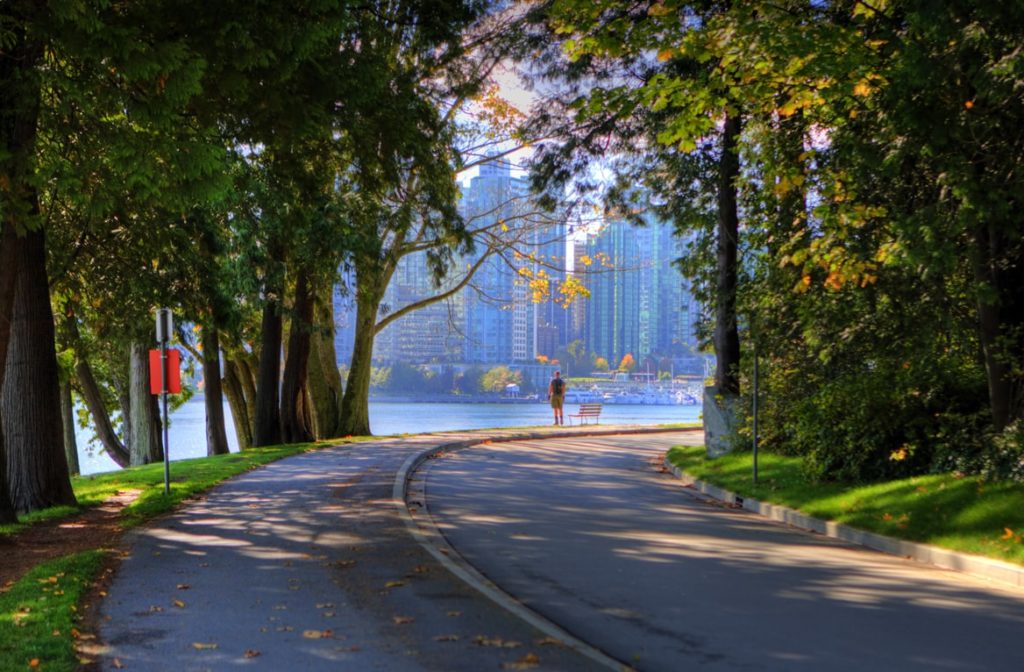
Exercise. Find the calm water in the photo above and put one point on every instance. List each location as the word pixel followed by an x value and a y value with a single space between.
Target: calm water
pixel 188 424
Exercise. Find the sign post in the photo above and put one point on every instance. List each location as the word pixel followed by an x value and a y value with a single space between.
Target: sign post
pixel 164 327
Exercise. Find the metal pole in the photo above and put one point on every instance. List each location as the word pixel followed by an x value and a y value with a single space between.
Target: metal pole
pixel 163 390
pixel 755 413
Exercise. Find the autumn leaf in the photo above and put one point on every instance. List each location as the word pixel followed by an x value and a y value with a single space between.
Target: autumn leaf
pixel 402 620
pixel 183 586
pixel 454 614
pixel 34 663
pixel 252 653
pixel 1007 534
pixel 179 604
pixel 394 584
pixel 205 646
pixel 446 638
pixel 527 662
pixel 548 641
pixel 496 642
pixel 317 634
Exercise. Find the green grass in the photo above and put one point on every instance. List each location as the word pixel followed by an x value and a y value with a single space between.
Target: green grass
pixel 39 614
pixel 964 514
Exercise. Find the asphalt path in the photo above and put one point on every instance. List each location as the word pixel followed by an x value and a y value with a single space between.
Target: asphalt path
pixel 592 535
pixel 306 564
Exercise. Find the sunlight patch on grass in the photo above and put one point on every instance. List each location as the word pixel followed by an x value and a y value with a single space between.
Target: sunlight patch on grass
pixel 964 514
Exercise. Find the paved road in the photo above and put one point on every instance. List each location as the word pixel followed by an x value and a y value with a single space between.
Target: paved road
pixel 307 565
pixel 588 533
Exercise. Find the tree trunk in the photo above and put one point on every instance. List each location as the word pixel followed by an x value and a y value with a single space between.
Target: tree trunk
pixel 100 418
pixel 355 404
pixel 144 442
pixel 727 340
pixel 268 418
pixel 67 416
pixel 325 389
pixel 296 420
pixel 19 115
pixel 10 247
pixel 1001 323
pixel 240 415
pixel 216 436
pixel 37 471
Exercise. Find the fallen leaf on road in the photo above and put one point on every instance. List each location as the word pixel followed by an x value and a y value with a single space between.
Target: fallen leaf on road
pixel 394 584
pixel 454 614
pixel 317 634
pixel 183 586
pixel 153 609
pixel 527 662
pixel 118 664
pixel 325 605
pixel 497 642
pixel 446 638
pixel 179 604
pixel 345 564
pixel 252 653
pixel 402 620
pixel 205 646
pixel 548 641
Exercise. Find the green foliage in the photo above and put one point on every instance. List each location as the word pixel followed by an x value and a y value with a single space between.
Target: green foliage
pixel 497 378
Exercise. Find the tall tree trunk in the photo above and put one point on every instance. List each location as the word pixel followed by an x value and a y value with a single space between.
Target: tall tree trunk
pixel 144 443
pixel 240 408
pixel 727 340
pixel 355 404
pixel 1001 323
pixel 10 257
pixel 37 471
pixel 268 417
pixel 325 389
pixel 216 436
pixel 100 418
pixel 296 420
pixel 67 417
pixel 19 116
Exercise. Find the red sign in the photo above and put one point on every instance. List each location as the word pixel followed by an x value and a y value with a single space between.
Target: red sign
pixel 173 371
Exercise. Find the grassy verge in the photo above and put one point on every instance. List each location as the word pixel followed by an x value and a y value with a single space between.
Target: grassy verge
pixel 964 514
pixel 39 614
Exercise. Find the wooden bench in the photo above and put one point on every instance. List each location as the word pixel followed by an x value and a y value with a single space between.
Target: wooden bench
pixel 586 411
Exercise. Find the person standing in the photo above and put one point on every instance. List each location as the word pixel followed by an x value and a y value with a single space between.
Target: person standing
pixel 556 395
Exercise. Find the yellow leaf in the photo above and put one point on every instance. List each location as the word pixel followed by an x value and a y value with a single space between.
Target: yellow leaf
pixel 527 662
pixel 665 54
pixel 179 604
pixel 1007 534
pixel 394 584
pixel 205 646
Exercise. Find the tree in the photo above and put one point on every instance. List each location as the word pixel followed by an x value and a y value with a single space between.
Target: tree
pixel 500 377
pixel 628 363
pixel 416 213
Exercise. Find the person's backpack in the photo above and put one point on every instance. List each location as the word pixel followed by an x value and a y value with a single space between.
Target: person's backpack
pixel 558 386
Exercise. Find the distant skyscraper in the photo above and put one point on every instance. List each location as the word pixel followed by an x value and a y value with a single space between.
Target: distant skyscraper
pixel 502 314
pixel 639 304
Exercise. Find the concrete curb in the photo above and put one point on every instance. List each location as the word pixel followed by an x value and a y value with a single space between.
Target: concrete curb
pixel 984 568
pixel 430 538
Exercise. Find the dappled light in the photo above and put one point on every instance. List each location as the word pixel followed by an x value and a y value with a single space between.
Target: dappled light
pixel 548 521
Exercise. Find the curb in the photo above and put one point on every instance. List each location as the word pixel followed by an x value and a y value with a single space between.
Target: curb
pixel 431 539
pixel 984 568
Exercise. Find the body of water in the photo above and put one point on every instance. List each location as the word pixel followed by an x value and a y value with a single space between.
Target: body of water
pixel 188 423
